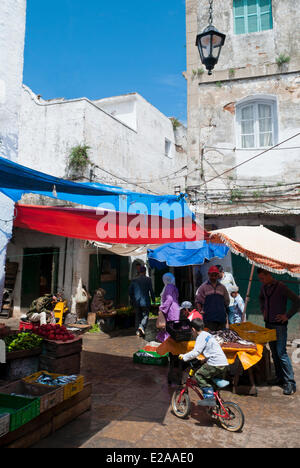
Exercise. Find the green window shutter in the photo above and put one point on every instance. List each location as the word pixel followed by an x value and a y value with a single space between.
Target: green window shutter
pixel 239 16
pixel 252 16
pixel 266 19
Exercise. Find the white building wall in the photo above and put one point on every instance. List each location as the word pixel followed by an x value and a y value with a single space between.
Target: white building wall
pixel 126 136
pixel 12 31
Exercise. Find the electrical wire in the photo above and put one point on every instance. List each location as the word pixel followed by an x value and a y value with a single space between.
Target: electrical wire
pixel 282 208
pixel 250 159
pixel 121 178
pixel 248 149
pixel 132 181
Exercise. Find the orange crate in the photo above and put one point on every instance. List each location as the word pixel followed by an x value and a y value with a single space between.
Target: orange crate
pixel 251 332
pixel 70 389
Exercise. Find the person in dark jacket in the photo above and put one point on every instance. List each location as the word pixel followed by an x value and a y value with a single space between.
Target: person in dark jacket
pixel 140 292
pixel 212 299
pixel 273 300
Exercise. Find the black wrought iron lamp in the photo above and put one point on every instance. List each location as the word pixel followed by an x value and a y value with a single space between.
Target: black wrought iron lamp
pixel 210 43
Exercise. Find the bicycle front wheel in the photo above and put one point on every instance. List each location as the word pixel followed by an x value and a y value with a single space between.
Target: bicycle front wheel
pixel 234 420
pixel 181 408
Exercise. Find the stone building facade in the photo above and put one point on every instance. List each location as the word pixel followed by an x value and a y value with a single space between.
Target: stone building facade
pixel 244 120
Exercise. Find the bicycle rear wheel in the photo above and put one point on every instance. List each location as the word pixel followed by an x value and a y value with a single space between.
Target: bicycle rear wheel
pixel 181 408
pixel 235 421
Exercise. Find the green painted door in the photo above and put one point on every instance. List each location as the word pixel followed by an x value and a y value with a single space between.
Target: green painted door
pixel 40 274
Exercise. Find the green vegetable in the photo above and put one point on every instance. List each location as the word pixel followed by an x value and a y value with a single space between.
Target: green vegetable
pixel 22 341
pixel 95 329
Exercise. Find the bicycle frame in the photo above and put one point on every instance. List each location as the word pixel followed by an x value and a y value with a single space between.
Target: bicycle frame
pixel 193 385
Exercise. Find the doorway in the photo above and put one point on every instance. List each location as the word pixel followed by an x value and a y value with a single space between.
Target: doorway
pixel 110 272
pixel 40 274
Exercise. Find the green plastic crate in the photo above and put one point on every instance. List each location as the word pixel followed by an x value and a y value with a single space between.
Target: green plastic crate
pixel 21 409
pixel 150 357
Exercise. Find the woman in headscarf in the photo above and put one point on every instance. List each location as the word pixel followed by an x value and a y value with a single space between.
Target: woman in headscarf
pixel 169 303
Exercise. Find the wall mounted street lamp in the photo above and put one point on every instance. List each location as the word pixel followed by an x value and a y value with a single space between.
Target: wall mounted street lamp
pixel 210 43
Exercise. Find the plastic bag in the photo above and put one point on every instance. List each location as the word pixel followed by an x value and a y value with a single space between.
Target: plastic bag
pixel 81 295
pixel 161 320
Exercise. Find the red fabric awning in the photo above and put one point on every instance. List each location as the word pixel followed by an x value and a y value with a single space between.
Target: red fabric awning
pixel 107 226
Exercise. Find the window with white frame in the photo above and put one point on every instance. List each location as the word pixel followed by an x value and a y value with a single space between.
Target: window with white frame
pixel 257 123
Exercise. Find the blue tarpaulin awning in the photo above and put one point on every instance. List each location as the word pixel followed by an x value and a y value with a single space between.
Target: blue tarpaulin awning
pixel 185 254
pixel 16 180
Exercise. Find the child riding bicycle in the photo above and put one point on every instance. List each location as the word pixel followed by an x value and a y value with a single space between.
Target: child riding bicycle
pixel 215 361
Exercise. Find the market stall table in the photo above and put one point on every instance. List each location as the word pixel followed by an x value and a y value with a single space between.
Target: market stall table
pixel 248 356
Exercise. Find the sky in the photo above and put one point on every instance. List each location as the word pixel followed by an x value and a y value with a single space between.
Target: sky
pixel 97 49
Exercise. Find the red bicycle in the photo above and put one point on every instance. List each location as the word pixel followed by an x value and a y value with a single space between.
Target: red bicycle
pixel 227 413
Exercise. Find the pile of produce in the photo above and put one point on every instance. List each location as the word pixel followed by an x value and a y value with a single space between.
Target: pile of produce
pixel 22 341
pixel 54 332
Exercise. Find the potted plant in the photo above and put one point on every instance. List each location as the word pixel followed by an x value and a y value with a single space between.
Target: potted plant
pixel 78 160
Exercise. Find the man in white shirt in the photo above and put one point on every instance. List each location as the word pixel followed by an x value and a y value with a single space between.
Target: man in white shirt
pixel 215 365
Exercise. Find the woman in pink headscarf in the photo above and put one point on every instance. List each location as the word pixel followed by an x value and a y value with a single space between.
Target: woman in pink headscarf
pixel 169 304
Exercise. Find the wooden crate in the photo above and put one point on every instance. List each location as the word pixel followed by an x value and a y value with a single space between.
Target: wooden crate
pixel 70 389
pixel 58 349
pixel 22 354
pixel 18 368
pixel 49 421
pixel 66 365
pixel 49 397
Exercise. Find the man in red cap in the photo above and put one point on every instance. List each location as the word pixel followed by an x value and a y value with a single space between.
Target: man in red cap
pixel 213 300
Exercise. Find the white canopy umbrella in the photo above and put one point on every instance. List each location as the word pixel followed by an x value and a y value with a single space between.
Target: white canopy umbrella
pixel 262 248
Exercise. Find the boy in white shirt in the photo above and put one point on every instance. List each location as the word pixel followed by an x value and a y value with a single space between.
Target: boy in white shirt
pixel 215 365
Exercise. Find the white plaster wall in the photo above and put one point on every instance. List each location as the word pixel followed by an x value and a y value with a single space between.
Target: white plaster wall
pixel 123 107
pixel 133 150
pixel 12 31
pixel 48 131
